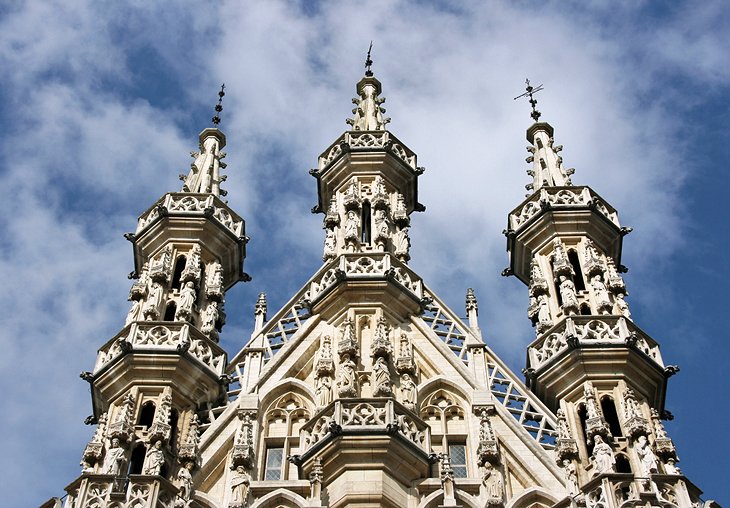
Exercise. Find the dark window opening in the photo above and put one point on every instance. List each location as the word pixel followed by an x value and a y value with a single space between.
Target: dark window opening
pixel 583 416
pixel 177 274
pixel 622 464
pixel 365 220
pixel 137 460
pixel 174 417
pixel 170 311
pixel 578 279
pixel 539 143
pixel 609 413
pixel 147 414
pixel 585 310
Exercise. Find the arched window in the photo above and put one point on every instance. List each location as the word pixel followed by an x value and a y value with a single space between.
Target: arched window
pixel 575 263
pixel 365 221
pixel 609 413
pixel 284 419
pixel 147 414
pixel 137 461
pixel 583 416
pixel 445 416
pixel 179 267
pixel 174 417
pixel 585 310
pixel 622 464
pixel 170 311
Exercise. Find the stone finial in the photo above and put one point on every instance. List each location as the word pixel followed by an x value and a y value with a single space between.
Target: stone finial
pixel 547 166
pixel 205 176
pixel 368 110
pixel 260 311
pixel 472 311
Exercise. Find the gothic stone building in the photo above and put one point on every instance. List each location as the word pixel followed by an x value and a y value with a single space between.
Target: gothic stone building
pixel 365 389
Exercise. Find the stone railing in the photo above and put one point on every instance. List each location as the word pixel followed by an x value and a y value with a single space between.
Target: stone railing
pixel 365 266
pixel 560 198
pixel 163 336
pixel 579 331
pixel 379 416
pixel 619 490
pixel 367 140
pixel 193 205
pixel 134 490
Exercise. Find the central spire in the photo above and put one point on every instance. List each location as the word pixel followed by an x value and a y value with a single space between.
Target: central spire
pixel 368 111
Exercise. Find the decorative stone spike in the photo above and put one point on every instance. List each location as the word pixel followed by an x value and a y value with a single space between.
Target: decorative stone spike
pixel 664 445
pixel 565 446
pixel 547 166
pixel 595 423
pixel 368 111
pixel 379 198
pixel 593 265
pixel 634 422
pixel 204 176
pixel 188 450
pixel 161 268
pixel 316 478
pixel 325 364
pixel 348 344
pixel 160 428
pixel 191 272
pixel 561 264
pixel 121 428
pixel 351 199
pixel 260 311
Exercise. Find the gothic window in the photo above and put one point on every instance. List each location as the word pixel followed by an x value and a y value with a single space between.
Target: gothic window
pixel 609 413
pixel 622 464
pixel 284 419
pixel 147 414
pixel 177 274
pixel 365 221
pixel 170 311
pixel 583 416
pixel 445 416
pixel 575 263
pixel 174 417
pixel 137 460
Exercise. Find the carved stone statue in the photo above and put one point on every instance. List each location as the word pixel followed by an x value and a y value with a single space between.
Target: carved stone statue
pixel 591 404
pixel 622 306
pixel 670 466
pixel 185 481
pixel 408 391
pixel 114 458
pixel 240 481
pixel 563 429
pixel 382 377
pixel 135 313
pixel 352 227
pixel 402 244
pixel 187 300
pixel 210 316
pixel 603 458
pixel 346 383
pixel 330 244
pixel 154 299
pixel 154 459
pixel 646 456
pixel 543 312
pixel 601 293
pixel 493 484
pixel 324 390
pixel 571 475
pixel 631 405
pixel 200 177
pixel 382 229
pixel 567 293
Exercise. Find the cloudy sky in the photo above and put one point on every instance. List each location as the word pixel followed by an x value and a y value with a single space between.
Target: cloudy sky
pixel 102 101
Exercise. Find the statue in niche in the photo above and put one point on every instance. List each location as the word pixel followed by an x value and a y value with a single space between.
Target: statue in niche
pixel 408 391
pixel 591 405
pixel 567 293
pixel 346 379
pixel 563 429
pixel 381 225
pixel 185 482
pixel 352 226
pixel 240 482
pixel 670 466
pixel 192 262
pixel 330 244
pixel 646 456
pixel 543 313
pixel 493 484
pixel 382 377
pixel 486 433
pixel 324 390
pixel 216 274
pixel 187 300
pixel 591 255
pixel 378 186
pixel 210 316
pixel 622 306
pixel 135 313
pixel 603 458
pixel 599 289
pixel 114 458
pixel 559 256
pixel 154 299
pixel 154 459
pixel 402 244
pixel 571 475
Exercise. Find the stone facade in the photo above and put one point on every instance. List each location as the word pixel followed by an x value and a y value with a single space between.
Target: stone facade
pixel 365 389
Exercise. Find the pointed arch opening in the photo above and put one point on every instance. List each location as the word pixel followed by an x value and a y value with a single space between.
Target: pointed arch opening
pixel 365 221
pixel 170 311
pixel 608 407
pixel 622 464
pixel 174 418
pixel 575 263
pixel 137 460
pixel 177 273
pixel 583 416
pixel 147 414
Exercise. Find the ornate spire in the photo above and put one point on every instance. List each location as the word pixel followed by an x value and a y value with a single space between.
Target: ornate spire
pixel 204 176
pixel 368 111
pixel 547 166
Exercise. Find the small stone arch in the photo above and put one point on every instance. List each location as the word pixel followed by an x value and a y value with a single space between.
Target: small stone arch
pixel 532 496
pixel 203 500
pixel 288 385
pixel 429 387
pixel 280 498
pixel 436 498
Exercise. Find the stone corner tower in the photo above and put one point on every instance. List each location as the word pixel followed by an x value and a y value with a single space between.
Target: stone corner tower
pixel 152 378
pixel 590 362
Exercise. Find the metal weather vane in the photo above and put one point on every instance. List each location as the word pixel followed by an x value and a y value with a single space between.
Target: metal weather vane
pixel 369 62
pixel 533 102
pixel 219 107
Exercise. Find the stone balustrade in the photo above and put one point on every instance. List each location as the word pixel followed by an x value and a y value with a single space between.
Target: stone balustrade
pixel 560 198
pixel 157 336
pixel 107 490
pixel 364 141
pixel 193 205
pixel 579 331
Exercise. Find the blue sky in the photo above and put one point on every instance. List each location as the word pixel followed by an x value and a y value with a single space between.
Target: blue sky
pixel 103 101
